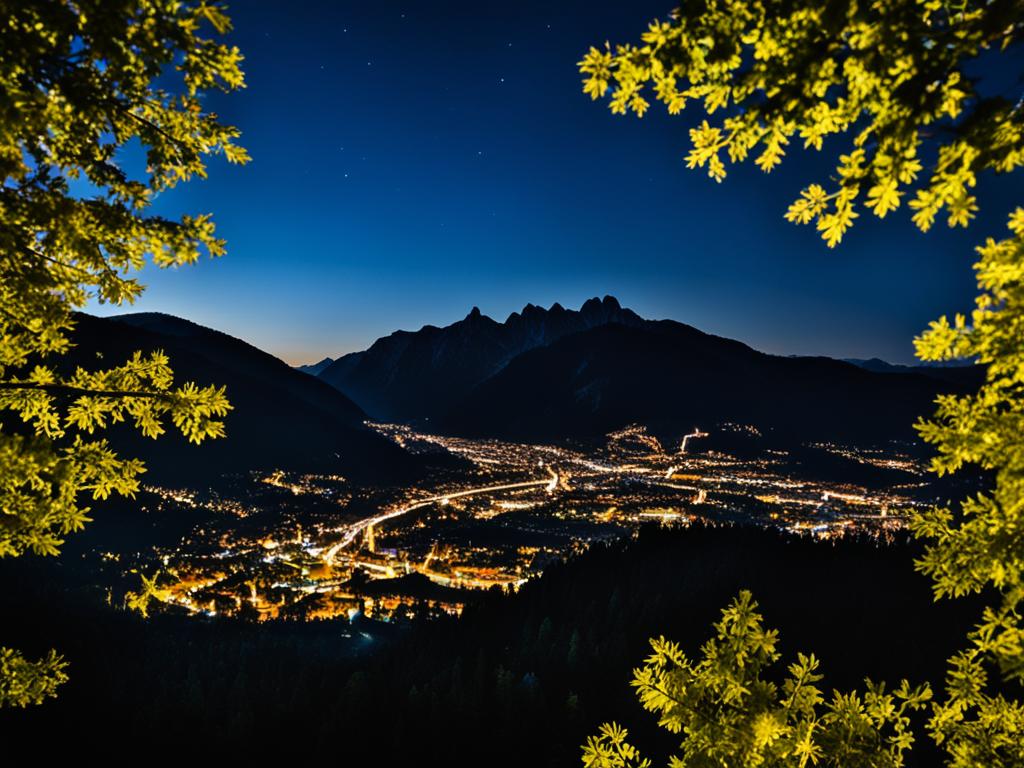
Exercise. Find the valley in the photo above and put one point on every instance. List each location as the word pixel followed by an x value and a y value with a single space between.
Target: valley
pixel 278 545
pixel 403 481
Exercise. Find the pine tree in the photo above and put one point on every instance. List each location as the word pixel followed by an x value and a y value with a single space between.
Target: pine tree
pixel 892 75
pixel 79 81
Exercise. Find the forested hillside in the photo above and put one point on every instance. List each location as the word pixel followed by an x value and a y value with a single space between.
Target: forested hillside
pixel 535 672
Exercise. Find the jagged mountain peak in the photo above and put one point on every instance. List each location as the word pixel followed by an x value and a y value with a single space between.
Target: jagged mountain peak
pixel 416 374
pixel 607 304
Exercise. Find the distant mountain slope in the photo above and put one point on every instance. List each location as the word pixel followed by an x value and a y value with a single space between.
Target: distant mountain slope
pixel 419 374
pixel 670 377
pixel 282 418
pixel 314 369
pixel 964 374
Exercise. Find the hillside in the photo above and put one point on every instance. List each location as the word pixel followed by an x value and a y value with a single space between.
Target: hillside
pixel 671 377
pixel 281 418
pixel 521 679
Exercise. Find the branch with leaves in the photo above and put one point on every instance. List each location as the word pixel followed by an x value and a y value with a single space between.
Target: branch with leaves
pixel 729 711
pixel 78 82
pixel 24 682
pixel 980 546
pixel 45 475
pixel 891 72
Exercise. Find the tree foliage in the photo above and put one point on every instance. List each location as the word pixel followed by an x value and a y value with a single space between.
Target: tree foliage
pixel 892 74
pixel 729 713
pixel 24 682
pixel 79 82
pixel 981 545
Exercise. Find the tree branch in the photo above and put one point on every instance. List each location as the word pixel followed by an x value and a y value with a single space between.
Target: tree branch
pixel 73 267
pixel 179 145
pixel 68 389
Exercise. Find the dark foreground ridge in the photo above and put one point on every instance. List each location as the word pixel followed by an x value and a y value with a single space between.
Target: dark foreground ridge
pixel 519 680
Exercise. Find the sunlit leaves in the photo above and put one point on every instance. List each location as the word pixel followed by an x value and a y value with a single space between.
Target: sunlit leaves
pixel 729 711
pixel 611 750
pixel 43 477
pixel 773 151
pixel 834 225
pixel 82 76
pixel 981 544
pixel 38 494
pixel 889 70
pixel 884 197
pixel 24 682
pixel 707 142
pixel 148 591
pixel 80 81
pixel 812 203
pixel 892 72
pixel 597 64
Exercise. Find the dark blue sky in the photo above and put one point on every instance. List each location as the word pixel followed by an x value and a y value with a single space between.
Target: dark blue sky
pixel 413 160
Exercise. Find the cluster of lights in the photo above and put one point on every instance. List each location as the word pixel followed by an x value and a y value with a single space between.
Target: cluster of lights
pixel 323 540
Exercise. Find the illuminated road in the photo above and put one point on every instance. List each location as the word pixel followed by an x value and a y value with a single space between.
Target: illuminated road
pixel 549 484
pixel 468 582
pixel 686 438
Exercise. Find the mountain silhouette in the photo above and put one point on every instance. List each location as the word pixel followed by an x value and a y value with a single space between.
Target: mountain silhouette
pixel 955 372
pixel 421 374
pixel 314 369
pixel 281 418
pixel 670 377
pixel 550 374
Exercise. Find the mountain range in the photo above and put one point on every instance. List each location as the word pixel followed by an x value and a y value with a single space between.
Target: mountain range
pixel 556 373
pixel 542 374
pixel 955 372
pixel 423 374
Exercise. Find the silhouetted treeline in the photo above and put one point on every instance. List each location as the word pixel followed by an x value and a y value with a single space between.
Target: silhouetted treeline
pixel 520 679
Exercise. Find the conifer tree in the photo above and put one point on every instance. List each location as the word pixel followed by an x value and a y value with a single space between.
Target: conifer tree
pixel 891 76
pixel 80 80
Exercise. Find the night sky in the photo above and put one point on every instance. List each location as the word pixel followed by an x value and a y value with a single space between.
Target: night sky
pixel 411 161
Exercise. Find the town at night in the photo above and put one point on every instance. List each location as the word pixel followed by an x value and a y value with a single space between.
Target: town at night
pixel 591 383
pixel 280 545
